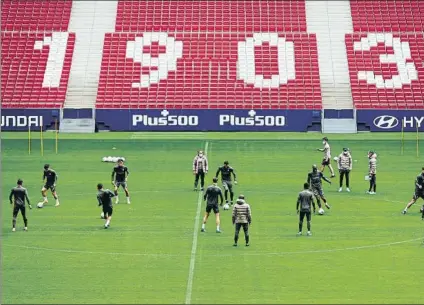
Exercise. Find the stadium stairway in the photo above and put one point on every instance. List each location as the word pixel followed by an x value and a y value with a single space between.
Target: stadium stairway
pixel 331 20
pixel 90 20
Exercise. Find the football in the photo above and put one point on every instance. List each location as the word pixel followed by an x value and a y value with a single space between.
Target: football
pixel 336 159
pixel 226 206
pixel 321 211
pixel 40 205
pixel 102 215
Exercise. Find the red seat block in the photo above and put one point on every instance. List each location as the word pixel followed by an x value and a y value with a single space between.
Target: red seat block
pixel 211 15
pixel 35 15
pixel 393 85
pixel 25 80
pixel 206 74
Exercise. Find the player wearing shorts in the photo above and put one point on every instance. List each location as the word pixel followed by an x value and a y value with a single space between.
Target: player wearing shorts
pixel 120 175
pixel 372 172
pixel 200 169
pixel 241 218
pixel 305 201
pixel 419 192
pixel 314 180
pixel 49 183
pixel 213 192
pixel 226 171
pixel 326 161
pixel 18 196
pixel 104 197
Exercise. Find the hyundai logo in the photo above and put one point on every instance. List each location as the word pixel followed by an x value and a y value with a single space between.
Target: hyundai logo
pixel 386 122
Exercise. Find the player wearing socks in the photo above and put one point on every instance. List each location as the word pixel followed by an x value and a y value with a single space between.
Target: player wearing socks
pixel 18 196
pixel 120 175
pixel 104 197
pixel 344 163
pixel 372 171
pixel 226 171
pixel 314 180
pixel 200 169
pixel 305 201
pixel 50 181
pixel 213 192
pixel 419 192
pixel 242 217
pixel 326 161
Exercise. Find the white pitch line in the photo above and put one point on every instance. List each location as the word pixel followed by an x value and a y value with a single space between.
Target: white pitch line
pixel 194 244
pixel 168 255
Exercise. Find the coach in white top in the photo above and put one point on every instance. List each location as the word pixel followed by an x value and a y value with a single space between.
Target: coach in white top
pixel 200 169
pixel 344 164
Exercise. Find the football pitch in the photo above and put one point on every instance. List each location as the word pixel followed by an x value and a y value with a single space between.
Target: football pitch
pixel 362 250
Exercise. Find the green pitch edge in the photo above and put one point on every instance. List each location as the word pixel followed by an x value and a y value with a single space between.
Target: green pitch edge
pixel 270 136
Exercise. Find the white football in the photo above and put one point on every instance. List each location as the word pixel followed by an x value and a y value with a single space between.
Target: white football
pixel 321 211
pixel 226 206
pixel 109 159
pixel 102 215
pixel 336 158
pixel 40 205
pixel 104 159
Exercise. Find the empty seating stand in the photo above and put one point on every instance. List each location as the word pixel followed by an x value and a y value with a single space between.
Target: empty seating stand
pixel 36 53
pixel 386 54
pixel 210 54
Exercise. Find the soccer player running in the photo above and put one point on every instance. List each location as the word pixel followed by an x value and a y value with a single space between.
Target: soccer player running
pixel 18 196
pixel 372 171
pixel 104 197
pixel 326 161
pixel 226 170
pixel 200 169
pixel 344 163
pixel 305 201
pixel 49 181
pixel 211 195
pixel 419 192
pixel 242 217
pixel 120 175
pixel 314 180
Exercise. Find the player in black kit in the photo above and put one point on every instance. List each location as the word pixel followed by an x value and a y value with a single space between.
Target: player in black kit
pixel 305 201
pixel 104 198
pixel 49 180
pixel 211 195
pixel 120 174
pixel 314 180
pixel 419 192
pixel 226 172
pixel 18 196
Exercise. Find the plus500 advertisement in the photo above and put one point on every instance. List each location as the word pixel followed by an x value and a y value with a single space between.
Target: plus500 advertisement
pixel 208 120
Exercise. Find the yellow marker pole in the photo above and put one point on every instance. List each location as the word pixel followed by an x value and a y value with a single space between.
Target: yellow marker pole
pixel 57 135
pixel 41 141
pixel 401 140
pixel 29 139
pixel 418 142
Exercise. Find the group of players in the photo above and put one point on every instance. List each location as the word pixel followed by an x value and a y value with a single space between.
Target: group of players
pixel 241 216
pixel 312 189
pixel 19 194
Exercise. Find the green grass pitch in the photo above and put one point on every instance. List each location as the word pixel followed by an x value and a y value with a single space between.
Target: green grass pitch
pixel 362 250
